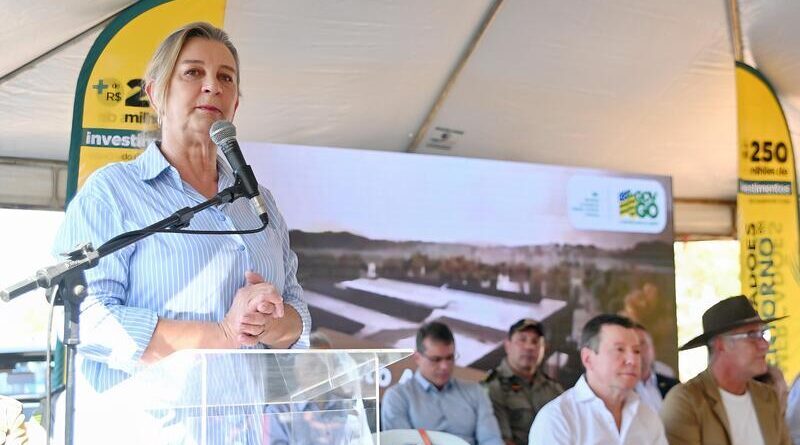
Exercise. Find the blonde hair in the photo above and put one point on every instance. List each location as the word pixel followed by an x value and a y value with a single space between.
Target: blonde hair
pixel 162 64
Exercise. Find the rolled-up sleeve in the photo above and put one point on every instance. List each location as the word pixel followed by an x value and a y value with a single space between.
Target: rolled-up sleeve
pixel 292 295
pixel 111 332
pixel 292 291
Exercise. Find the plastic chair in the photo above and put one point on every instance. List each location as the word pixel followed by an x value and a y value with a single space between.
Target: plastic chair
pixel 413 437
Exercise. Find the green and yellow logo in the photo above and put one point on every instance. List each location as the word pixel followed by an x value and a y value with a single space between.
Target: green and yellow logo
pixel 638 204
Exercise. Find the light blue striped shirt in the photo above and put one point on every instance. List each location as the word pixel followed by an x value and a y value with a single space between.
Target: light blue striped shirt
pixel 460 408
pixel 172 276
pixel 793 411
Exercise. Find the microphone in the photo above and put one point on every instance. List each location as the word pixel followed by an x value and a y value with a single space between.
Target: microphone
pixel 223 133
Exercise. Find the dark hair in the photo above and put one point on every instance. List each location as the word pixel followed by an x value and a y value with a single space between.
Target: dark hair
pixel 436 331
pixel 590 336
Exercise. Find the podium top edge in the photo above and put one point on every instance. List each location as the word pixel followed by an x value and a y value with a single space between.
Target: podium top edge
pixel 294 351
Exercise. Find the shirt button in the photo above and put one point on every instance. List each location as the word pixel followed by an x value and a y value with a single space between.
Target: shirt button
pixel 222 218
pixel 241 248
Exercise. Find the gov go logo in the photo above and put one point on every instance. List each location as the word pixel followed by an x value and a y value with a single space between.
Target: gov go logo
pixel 638 204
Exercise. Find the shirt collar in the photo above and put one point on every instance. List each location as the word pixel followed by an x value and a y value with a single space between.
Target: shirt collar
pixel 428 386
pixel 505 371
pixel 152 163
pixel 652 380
pixel 226 177
pixel 584 393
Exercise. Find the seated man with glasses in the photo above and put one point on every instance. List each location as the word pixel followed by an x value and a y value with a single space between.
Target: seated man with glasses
pixel 723 404
pixel 434 400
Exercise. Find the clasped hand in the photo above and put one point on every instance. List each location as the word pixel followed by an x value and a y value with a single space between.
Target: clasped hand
pixel 255 308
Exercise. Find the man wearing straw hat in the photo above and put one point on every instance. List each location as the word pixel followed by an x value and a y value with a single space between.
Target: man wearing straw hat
pixel 723 404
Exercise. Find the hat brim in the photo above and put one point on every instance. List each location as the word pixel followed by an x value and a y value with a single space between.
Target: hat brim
pixel 702 339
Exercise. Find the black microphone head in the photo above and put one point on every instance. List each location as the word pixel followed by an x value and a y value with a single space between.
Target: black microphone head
pixel 221 131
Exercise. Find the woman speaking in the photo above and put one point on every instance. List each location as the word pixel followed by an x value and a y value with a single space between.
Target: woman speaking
pixel 169 292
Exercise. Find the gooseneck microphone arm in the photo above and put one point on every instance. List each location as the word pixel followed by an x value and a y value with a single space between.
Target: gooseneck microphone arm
pixel 85 256
pixel 72 287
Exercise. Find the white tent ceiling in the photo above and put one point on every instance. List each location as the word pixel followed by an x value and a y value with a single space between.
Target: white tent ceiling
pixel 641 86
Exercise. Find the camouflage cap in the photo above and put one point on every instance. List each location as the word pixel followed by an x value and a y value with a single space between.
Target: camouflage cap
pixel 526 324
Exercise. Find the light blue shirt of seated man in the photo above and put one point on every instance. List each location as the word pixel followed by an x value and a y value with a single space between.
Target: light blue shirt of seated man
pixel 435 401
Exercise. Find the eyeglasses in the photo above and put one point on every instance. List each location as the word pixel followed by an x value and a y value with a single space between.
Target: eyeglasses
pixel 436 360
pixel 759 334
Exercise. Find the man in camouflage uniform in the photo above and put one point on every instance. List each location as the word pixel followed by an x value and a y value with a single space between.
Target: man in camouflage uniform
pixel 517 388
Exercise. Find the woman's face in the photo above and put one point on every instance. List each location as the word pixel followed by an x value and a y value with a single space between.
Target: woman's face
pixel 202 88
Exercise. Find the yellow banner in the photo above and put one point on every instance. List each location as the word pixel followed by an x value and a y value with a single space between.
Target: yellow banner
pixel 768 221
pixel 111 109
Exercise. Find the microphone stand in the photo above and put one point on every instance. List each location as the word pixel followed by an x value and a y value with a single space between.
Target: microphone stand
pixel 71 281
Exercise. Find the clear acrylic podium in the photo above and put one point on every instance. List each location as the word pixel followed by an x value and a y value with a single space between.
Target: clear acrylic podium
pixel 250 397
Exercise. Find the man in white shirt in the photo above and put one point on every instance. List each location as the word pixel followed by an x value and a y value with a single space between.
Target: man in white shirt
pixel 602 407
pixel 652 386
pixel 723 405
